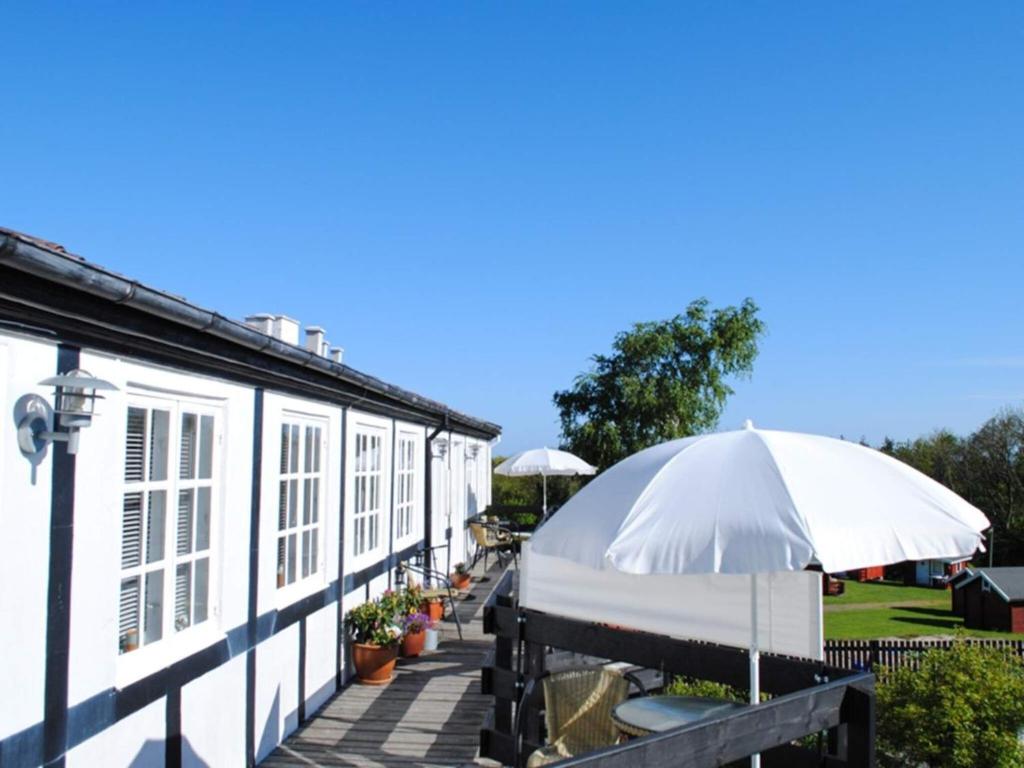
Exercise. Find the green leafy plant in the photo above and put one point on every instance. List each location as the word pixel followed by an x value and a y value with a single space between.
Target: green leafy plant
pixel 411 600
pixel 962 708
pixel 461 569
pixel 373 623
pixel 692 686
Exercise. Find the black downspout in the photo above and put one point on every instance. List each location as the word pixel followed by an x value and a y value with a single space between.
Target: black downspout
pixel 428 484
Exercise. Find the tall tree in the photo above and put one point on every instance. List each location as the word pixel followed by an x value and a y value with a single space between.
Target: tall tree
pixel 663 380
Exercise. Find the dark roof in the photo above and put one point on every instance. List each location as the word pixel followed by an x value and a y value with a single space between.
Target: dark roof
pixel 54 263
pixel 1008 581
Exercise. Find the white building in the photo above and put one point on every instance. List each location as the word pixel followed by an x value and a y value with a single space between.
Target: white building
pixel 173 591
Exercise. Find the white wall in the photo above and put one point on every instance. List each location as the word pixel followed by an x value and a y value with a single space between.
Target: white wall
pixel 25 516
pixel 213 717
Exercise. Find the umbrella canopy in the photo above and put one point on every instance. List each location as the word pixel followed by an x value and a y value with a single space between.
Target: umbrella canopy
pixel 756 501
pixel 545 462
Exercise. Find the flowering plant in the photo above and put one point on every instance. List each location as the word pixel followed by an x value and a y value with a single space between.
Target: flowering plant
pixel 461 569
pixel 416 622
pixel 412 599
pixel 374 624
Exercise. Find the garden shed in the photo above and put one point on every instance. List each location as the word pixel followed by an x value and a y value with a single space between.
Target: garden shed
pixel 993 598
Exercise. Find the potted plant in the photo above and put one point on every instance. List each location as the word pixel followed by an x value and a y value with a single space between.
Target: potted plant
pixel 375 638
pixel 415 634
pixel 460 578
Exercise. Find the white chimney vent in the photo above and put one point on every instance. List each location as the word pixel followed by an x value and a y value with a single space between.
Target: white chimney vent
pixel 263 323
pixel 286 329
pixel 315 339
pixel 337 353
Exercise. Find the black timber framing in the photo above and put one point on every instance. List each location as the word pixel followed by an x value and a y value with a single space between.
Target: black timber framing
pixel 32 304
pixel 808 697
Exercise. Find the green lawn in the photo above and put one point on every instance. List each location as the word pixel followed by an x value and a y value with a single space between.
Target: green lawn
pixel 907 612
pixel 886 592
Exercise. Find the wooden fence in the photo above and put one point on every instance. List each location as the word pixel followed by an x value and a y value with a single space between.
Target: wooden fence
pixel 865 654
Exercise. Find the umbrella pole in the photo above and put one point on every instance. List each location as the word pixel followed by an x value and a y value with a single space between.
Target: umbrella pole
pixel 755 658
pixel 545 479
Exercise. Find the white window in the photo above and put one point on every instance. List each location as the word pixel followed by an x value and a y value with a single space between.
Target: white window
pixel 167 520
pixel 300 505
pixel 368 475
pixel 405 486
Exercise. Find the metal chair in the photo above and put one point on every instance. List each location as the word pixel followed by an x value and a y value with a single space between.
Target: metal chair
pixel 443 590
pixel 493 538
pixel 578 706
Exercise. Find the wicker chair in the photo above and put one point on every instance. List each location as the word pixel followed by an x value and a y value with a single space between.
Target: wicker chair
pixel 578 706
pixel 492 538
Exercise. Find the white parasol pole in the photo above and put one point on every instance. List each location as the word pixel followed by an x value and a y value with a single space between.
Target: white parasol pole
pixel 755 658
pixel 545 481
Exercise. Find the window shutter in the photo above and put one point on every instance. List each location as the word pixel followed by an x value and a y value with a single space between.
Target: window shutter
pixel 135 445
pixel 131 530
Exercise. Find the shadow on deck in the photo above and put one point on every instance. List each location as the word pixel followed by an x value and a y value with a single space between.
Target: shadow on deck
pixel 429 715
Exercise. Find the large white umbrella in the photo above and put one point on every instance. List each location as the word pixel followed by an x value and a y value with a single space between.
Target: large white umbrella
pixel 759 501
pixel 545 462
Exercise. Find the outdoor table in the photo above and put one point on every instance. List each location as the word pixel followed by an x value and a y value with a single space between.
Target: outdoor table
pixel 653 714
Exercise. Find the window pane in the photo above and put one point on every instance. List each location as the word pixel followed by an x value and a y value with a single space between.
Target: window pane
pixel 372 537
pixel 159 445
pixel 307 462
pixel 314 555
pixel 293 463
pixel 186 509
pixel 284 448
pixel 203 520
pixel 156 526
pixel 282 510
pixel 135 445
pixel 131 530
pixel 128 624
pixel 315 495
pixel 317 440
pixel 307 500
pixel 187 468
pixel 280 562
pixel 202 591
pixel 293 503
pixel 291 558
pixel 305 553
pixel 183 597
pixel 206 447
pixel 154 606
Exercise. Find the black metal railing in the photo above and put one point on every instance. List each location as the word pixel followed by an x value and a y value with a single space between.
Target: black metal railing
pixel 818 715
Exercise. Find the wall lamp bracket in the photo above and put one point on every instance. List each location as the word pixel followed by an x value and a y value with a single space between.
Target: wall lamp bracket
pixel 74 405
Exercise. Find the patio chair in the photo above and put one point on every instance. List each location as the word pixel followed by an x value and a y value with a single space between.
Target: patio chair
pixel 492 538
pixel 578 706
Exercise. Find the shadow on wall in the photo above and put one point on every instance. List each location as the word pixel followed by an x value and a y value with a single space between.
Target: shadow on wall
pixel 21 410
pixel 153 753
pixel 471 503
pixel 272 734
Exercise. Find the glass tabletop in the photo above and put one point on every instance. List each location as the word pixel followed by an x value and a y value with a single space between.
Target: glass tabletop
pixel 661 713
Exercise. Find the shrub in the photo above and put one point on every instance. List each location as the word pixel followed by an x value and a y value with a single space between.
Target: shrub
pixel 373 623
pixel 691 686
pixel 962 708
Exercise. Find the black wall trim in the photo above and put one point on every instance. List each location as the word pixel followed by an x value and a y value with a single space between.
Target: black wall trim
pixel 58 615
pixel 254 573
pixel 302 669
pixel 354 581
pixel 391 498
pixel 341 548
pixel 172 745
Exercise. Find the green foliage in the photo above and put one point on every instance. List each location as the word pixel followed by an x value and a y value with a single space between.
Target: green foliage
pixel 986 468
pixel 663 380
pixel 528 491
pixel 961 709
pixel 692 686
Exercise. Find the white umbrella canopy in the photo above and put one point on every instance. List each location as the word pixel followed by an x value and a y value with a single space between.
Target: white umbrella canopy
pixel 546 462
pixel 757 501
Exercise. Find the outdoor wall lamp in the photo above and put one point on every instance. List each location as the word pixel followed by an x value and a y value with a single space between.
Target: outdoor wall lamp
pixel 471 452
pixel 74 404
pixel 439 447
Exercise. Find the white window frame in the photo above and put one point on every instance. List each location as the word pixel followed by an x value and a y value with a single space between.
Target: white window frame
pixel 358 509
pixel 301 480
pixel 177 636
pixel 408 486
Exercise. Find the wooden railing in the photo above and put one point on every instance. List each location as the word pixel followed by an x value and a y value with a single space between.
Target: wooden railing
pixel 865 654
pixel 807 698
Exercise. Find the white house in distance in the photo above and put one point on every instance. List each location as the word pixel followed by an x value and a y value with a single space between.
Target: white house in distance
pixel 174 584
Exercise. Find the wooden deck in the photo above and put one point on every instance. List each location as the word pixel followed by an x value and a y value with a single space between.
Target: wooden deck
pixel 429 715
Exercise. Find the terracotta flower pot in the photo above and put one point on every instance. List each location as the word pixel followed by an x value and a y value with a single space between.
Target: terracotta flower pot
pixel 434 609
pixel 412 643
pixel 374 663
pixel 460 580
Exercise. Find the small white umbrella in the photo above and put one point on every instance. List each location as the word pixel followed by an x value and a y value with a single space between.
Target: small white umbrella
pixel 756 501
pixel 545 462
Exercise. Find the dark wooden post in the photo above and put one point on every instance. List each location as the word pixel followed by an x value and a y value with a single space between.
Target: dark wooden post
pixel 858 712
pixel 536 658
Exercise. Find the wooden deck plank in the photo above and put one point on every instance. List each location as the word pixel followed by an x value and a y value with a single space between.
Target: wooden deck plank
pixel 429 715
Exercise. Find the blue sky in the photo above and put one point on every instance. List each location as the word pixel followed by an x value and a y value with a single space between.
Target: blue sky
pixel 474 198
